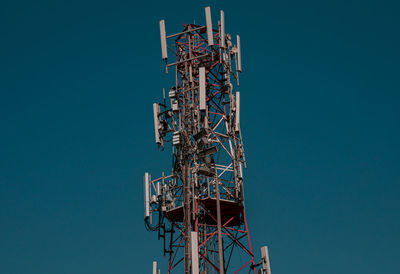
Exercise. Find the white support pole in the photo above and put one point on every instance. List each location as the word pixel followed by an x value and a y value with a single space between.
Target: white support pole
pixel 209 26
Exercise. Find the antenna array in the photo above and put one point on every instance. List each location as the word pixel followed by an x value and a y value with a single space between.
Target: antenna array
pixel 198 209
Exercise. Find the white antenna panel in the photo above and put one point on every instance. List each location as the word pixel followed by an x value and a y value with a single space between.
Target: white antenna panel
pixel 240 170
pixel 202 88
pixel 239 54
pixel 222 34
pixel 156 111
pixel 195 252
pixel 146 187
pixel 158 189
pixel 154 267
pixel 209 27
pixel 237 121
pixel 163 37
pixel 265 260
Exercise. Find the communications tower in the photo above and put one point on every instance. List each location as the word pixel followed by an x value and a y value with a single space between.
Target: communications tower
pixel 198 209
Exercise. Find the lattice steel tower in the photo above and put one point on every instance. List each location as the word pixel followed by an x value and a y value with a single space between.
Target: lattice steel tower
pixel 198 209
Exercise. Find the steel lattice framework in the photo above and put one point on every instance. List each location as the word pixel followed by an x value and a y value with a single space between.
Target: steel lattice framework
pixel 200 205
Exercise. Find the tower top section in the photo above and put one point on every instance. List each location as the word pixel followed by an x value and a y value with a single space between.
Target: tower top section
pixel 214 37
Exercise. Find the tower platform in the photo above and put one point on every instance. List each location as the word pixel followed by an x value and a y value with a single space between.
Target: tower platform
pixel 231 212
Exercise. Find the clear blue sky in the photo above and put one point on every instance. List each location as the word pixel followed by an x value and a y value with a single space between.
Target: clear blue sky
pixel 320 120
